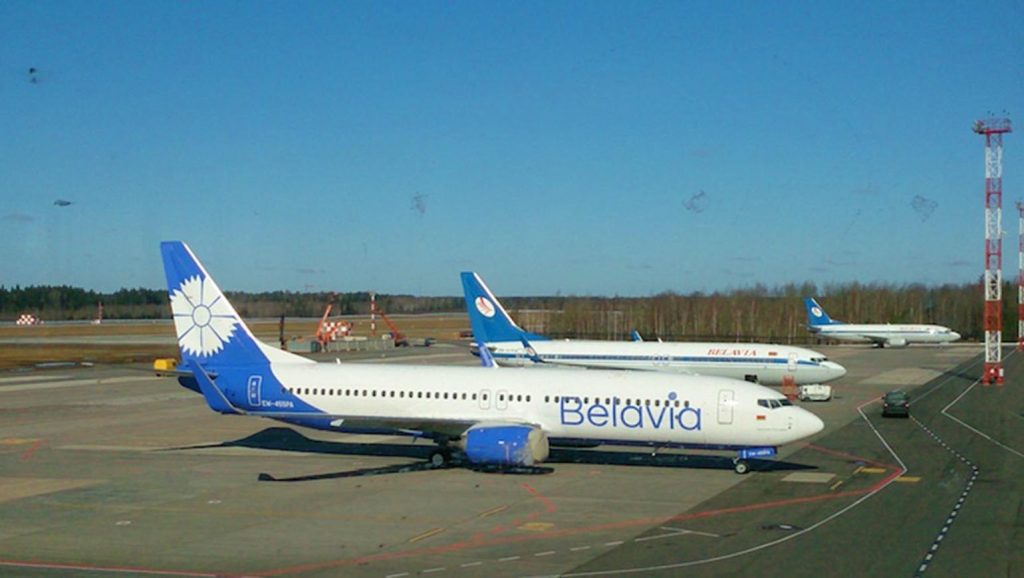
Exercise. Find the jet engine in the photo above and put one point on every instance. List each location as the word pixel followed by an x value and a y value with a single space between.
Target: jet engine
pixel 505 445
pixel 896 342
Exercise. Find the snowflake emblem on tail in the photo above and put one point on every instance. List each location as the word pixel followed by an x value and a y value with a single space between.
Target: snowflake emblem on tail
pixel 203 318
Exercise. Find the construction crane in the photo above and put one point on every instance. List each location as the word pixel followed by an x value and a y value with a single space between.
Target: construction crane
pixel 327 330
pixel 396 335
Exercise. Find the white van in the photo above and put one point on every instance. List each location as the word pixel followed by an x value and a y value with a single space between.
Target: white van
pixel 814 392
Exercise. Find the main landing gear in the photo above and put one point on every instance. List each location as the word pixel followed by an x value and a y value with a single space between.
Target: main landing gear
pixel 740 466
pixel 441 457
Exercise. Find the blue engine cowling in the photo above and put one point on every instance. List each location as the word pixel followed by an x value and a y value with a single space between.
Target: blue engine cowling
pixel 505 445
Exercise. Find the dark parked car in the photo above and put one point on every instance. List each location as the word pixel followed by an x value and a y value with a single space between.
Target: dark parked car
pixel 896 403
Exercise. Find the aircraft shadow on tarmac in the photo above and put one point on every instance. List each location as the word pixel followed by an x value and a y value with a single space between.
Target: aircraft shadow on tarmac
pixel 288 440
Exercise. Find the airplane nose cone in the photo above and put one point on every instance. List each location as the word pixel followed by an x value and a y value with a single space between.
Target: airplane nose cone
pixel 832 371
pixel 955 336
pixel 810 424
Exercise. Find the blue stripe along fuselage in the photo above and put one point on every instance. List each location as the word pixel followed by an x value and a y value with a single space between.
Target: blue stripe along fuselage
pixel 654 358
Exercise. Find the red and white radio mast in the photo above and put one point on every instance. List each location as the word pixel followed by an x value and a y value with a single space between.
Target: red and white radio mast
pixel 1020 278
pixel 993 130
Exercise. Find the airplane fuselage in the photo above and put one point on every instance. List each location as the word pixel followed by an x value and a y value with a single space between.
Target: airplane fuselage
pixel 766 364
pixel 886 334
pixel 615 407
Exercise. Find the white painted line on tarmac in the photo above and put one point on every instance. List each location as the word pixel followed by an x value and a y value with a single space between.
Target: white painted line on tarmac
pixel 75 383
pixel 975 472
pixel 673 532
pixel 404 358
pixel 945 412
pixel 773 543
pixel 29 378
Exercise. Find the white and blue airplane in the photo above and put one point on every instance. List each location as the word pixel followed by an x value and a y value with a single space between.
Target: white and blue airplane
pixel 494 416
pixel 762 363
pixel 881 334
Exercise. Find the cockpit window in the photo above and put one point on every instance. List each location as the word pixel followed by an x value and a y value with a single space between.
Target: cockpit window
pixel 774 403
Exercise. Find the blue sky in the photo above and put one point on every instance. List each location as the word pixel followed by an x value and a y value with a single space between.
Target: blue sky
pixel 589 148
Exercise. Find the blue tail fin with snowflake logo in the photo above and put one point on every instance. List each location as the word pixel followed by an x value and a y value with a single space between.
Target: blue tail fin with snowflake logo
pixel 209 330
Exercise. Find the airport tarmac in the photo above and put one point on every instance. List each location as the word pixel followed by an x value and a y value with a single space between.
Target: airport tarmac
pixel 111 471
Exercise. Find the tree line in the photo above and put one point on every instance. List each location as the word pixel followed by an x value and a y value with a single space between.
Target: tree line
pixel 64 303
pixel 757 312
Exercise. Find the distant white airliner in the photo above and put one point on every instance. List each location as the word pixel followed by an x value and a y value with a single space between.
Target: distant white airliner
pixel 494 416
pixel 881 334
pixel 758 362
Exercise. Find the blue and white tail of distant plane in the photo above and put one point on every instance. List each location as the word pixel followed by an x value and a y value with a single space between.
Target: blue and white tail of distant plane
pixel 881 334
pixel 487 317
pixel 770 364
pixel 494 418
pixel 817 316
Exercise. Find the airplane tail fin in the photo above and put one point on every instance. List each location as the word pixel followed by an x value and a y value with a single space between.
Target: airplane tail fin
pixel 487 317
pixel 210 331
pixel 816 316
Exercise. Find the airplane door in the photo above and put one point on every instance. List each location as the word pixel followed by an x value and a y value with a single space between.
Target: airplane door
pixel 791 365
pixel 502 401
pixel 485 399
pixel 253 390
pixel 726 401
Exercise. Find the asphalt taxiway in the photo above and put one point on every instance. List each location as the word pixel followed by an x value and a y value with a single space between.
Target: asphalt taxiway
pixel 110 471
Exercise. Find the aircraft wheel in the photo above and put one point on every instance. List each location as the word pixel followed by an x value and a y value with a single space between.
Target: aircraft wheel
pixel 741 467
pixel 440 458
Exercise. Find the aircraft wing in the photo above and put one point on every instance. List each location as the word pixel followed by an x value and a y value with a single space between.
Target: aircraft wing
pixel 665 369
pixel 427 428
pixel 885 340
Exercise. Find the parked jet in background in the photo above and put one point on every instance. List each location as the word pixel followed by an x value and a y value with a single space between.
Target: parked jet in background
pixel 881 334
pixel 495 417
pixel 767 364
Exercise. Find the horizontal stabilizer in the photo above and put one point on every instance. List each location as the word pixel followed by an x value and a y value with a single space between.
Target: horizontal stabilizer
pixel 214 396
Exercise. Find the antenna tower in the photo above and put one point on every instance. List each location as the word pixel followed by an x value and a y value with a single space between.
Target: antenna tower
pixel 993 129
pixel 1020 278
